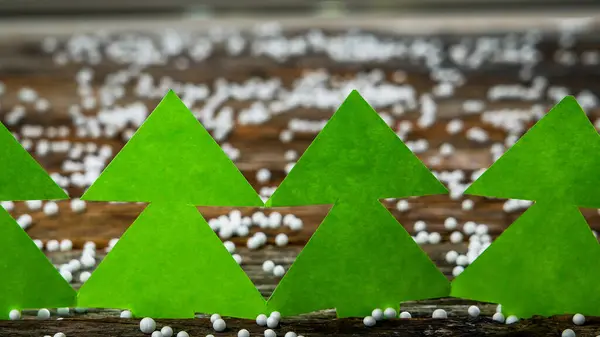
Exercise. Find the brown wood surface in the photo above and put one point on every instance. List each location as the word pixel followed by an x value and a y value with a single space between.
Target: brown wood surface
pixel 23 64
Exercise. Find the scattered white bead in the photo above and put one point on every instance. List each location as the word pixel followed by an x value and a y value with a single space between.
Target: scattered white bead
pixel 405 315
pixel 214 317
pixel 219 325
pixel 474 311
pixel 43 314
pixel 126 314
pixel 439 313
pixel 243 333
pixel 261 320
pixel 14 315
pixel 33 205
pixel 276 315
pixel 281 240
pixel 39 243
pixel 420 226
pixel 84 276
pixel 469 227
pixel 451 256
pixel 278 271
pixel 377 314
pixel 291 334
pixel 237 258
pixel 156 334
pixel 578 319
pixel 51 208
pixel 166 331
pixel 457 270
pixel 434 238
pixel 78 205
pixel 272 322
pixel 450 223
pixel 183 334
pixel 568 333
pixel 467 204
pixel 270 333
pixel 147 325
pixel 498 317
pixel 263 175
pixel 462 260
pixel 24 221
pixel 511 319
pixel 403 205
pixel 67 275
pixel 456 237
pixel 268 266
pixel 66 245
pixel 369 321
pixel 60 334
pixel 389 313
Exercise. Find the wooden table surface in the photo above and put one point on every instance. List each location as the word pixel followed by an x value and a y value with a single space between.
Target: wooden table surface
pixel 22 63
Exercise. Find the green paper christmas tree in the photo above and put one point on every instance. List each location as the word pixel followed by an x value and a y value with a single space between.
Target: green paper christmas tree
pixel 547 261
pixel 169 263
pixel 360 258
pixel 29 280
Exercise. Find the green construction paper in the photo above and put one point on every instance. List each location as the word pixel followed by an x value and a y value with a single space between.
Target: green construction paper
pixel 356 153
pixel 29 280
pixel 558 157
pixel 546 263
pixel 360 258
pixel 172 158
pixel 170 264
pixel 21 177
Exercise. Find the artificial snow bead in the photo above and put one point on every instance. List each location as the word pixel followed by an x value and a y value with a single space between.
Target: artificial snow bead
pixel 467 204
pixel 60 334
pixel 578 319
pixel 474 311
pixel 462 260
pixel 511 319
pixel 38 243
pixel 434 238
pixel 62 311
pixel 499 308
pixel 377 314
pixel 34 205
pixel 457 270
pixel 24 221
pixel 291 334
pixel 498 317
pixel 219 325
pixel 451 256
pixel 66 245
pixel 281 239
pixel 51 208
pixel 420 226
pixel 405 315
pixel 456 237
pixel 214 317
pixel 67 275
pixel 403 205
pixel 389 313
pixel 80 310
pixel 183 334
pixel 568 333
pixel 237 258
pixel 88 261
pixel 272 322
pixel 369 321
pixel 84 276
pixel 278 271
pixel 156 334
pixel 243 333
pixel 439 313
pixel 270 333
pixel 268 266
pixel 230 246
pixel 78 206
pixel 147 325
pixel 126 314
pixel 469 227
pixel 14 315
pixel 263 175
pixel 166 331
pixel 450 223
pixel 276 315
pixel 261 320
pixel 43 314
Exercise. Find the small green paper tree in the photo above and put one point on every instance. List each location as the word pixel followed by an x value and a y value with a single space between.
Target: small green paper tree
pixel 547 261
pixel 169 263
pixel 29 280
pixel 360 258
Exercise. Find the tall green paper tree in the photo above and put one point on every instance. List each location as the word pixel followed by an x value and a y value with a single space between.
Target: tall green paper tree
pixel 29 280
pixel 360 258
pixel 169 263
pixel 548 261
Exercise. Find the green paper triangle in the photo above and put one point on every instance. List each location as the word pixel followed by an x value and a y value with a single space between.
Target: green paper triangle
pixel 557 158
pixel 546 263
pixel 170 264
pixel 360 258
pixel 29 280
pixel 21 177
pixel 172 158
pixel 356 153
